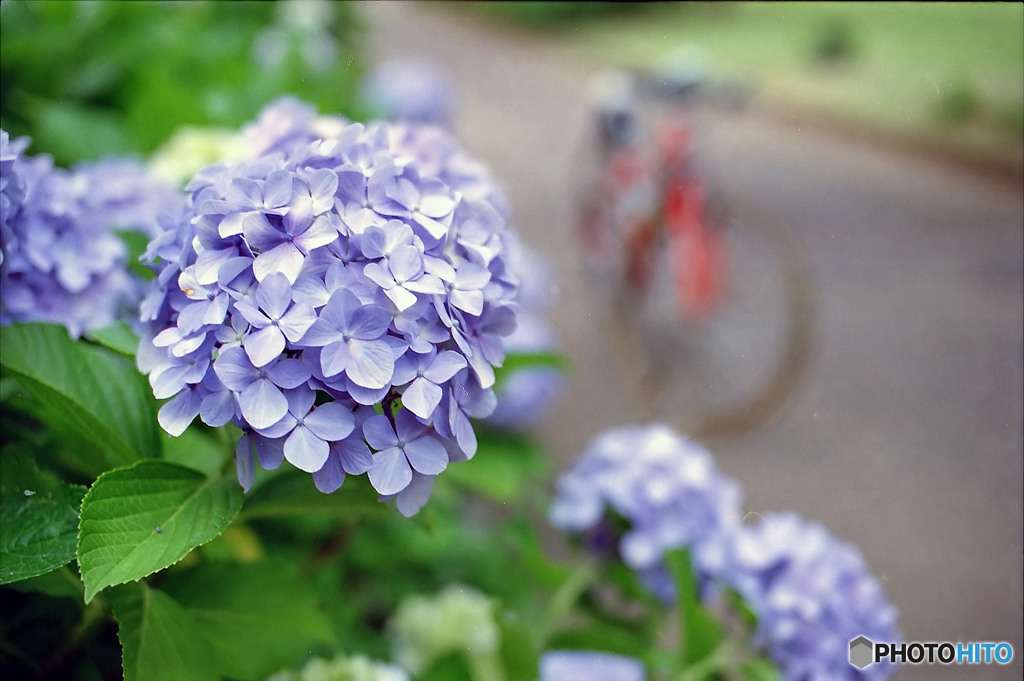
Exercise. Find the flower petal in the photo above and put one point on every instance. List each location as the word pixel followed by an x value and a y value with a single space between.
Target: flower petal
pixel 274 294
pixel 444 366
pixel 175 416
pixel 354 455
pixel 269 451
pixel 405 263
pixel 330 421
pixel 320 333
pixel 234 369
pixel 320 233
pixel 390 472
pixel 469 301
pixel 245 462
pixel 288 373
pixel 436 206
pixel 410 500
pixel 252 314
pixel 366 396
pixel 264 345
pixel 304 450
pixel 368 322
pixel 296 321
pixel 401 297
pixel 284 258
pixel 421 397
pixel 378 432
pixel 427 455
pixel 262 403
pixel 334 358
pixel 371 363
pixel 331 475
pixel 217 408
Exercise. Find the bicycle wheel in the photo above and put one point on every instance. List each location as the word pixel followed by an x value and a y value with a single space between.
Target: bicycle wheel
pixel 732 367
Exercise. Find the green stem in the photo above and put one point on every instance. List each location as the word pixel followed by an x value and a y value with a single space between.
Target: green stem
pixel 703 670
pixel 568 593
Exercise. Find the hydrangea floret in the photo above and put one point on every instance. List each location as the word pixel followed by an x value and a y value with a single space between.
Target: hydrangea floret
pixel 341 295
pixel 666 489
pixel 62 259
pixel 812 594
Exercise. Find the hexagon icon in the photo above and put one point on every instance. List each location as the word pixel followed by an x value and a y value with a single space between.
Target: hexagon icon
pixel 861 652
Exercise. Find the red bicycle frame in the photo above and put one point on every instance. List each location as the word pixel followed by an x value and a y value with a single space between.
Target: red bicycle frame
pixel 695 242
pixel 644 195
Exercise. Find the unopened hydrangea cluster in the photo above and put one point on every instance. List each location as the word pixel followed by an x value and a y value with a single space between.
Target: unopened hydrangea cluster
pixel 457 620
pixel 341 295
pixel 61 258
pixel 811 593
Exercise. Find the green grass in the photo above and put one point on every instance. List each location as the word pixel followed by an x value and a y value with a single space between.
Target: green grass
pixel 948 74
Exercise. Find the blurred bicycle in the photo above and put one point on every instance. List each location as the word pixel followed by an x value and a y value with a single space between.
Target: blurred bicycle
pixel 708 303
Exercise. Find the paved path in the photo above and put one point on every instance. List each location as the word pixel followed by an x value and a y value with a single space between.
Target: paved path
pixel 906 436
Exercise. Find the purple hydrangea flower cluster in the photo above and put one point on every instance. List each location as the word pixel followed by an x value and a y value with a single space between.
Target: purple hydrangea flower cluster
pixel 341 296
pixel 812 595
pixel 63 260
pixel 666 487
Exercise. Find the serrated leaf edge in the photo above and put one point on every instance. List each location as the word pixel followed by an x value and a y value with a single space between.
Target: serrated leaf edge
pixel 90 594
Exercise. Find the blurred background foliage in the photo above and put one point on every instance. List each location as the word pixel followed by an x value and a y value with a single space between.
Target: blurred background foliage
pixel 555 14
pixel 86 79
pixel 949 76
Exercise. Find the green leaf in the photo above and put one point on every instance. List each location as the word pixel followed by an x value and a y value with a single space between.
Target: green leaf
pixel 258 617
pixel 516 361
pixel 141 518
pixel 196 448
pixel 20 472
pixel 522 360
pixel 702 633
pixel 519 655
pixel 96 393
pixel 450 667
pixel 293 493
pixel 59 126
pixel 602 636
pixel 504 465
pixel 137 243
pixel 760 669
pixel 39 531
pixel 60 583
pixel 118 337
pixel 159 639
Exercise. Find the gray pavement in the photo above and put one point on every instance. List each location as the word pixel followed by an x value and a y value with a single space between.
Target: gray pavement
pixel 905 436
